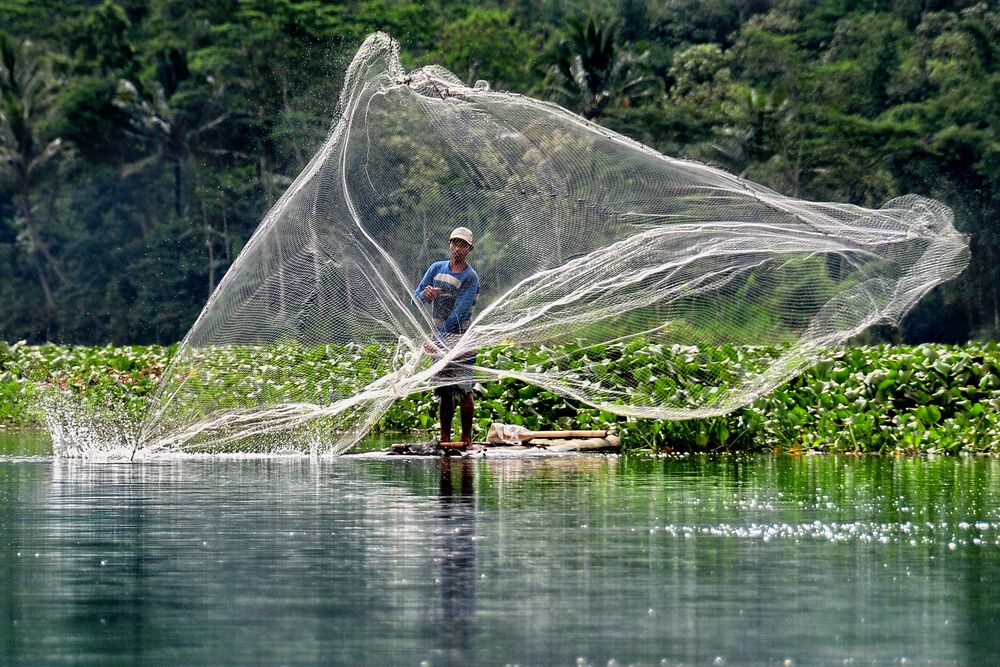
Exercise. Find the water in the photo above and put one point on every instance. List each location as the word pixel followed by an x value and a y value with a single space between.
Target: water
pixel 550 561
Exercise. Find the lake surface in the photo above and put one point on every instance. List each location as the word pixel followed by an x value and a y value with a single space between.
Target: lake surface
pixel 581 560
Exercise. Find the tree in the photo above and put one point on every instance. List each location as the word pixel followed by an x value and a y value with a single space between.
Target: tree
pixel 173 122
pixel 762 139
pixel 99 41
pixel 590 73
pixel 678 23
pixel 635 19
pixel 768 54
pixel 469 48
pixel 275 59
pixel 26 157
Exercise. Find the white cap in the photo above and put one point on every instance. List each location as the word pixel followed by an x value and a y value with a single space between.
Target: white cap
pixel 463 233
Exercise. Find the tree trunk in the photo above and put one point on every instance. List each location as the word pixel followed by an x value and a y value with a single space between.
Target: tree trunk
pixel 300 156
pixel 317 268
pixel 268 183
pixel 996 312
pixel 797 173
pixel 177 188
pixel 36 237
pixel 50 303
pixel 211 251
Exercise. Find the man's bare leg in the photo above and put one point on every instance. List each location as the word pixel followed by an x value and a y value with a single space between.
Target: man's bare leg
pixel 447 415
pixel 468 410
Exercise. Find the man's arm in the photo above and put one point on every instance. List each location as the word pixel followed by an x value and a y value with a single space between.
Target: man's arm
pixel 425 282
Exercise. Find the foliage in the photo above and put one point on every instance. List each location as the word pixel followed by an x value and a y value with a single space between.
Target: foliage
pixel 888 399
pixel 468 48
pixel 27 157
pixel 141 142
pixel 121 376
pixel 926 398
pixel 589 72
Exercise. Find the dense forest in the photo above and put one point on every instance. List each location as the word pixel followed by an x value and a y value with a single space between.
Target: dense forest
pixel 141 141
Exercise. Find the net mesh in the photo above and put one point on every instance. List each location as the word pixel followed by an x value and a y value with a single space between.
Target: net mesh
pixel 586 243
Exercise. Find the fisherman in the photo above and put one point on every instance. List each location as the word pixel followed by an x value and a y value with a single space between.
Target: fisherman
pixel 452 287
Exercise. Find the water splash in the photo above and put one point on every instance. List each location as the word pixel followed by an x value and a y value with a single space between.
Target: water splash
pixel 94 432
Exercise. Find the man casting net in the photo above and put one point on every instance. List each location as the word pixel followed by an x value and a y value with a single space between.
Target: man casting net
pixel 587 243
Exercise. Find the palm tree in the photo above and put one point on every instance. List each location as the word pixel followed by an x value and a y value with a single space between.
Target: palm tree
pixel 763 129
pixel 26 93
pixel 175 125
pixel 589 72
pixel 178 127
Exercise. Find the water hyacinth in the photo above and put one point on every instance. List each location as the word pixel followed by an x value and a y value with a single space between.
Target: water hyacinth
pixel 119 378
pixel 927 398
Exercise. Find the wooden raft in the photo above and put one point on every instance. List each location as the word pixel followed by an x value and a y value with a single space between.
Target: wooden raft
pixel 561 444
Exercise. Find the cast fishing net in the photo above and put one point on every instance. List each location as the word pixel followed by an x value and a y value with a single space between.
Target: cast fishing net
pixel 610 274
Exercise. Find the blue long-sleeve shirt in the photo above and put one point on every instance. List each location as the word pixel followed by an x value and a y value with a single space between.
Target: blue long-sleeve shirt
pixel 453 307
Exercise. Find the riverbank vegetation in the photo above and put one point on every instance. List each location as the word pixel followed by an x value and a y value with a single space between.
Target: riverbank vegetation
pixel 141 141
pixel 930 398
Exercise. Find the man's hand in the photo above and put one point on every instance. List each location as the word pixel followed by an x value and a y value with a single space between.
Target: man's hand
pixel 439 343
pixel 430 292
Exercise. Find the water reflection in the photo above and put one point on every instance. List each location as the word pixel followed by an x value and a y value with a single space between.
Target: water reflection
pixel 753 560
pixel 455 556
pixel 24 443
